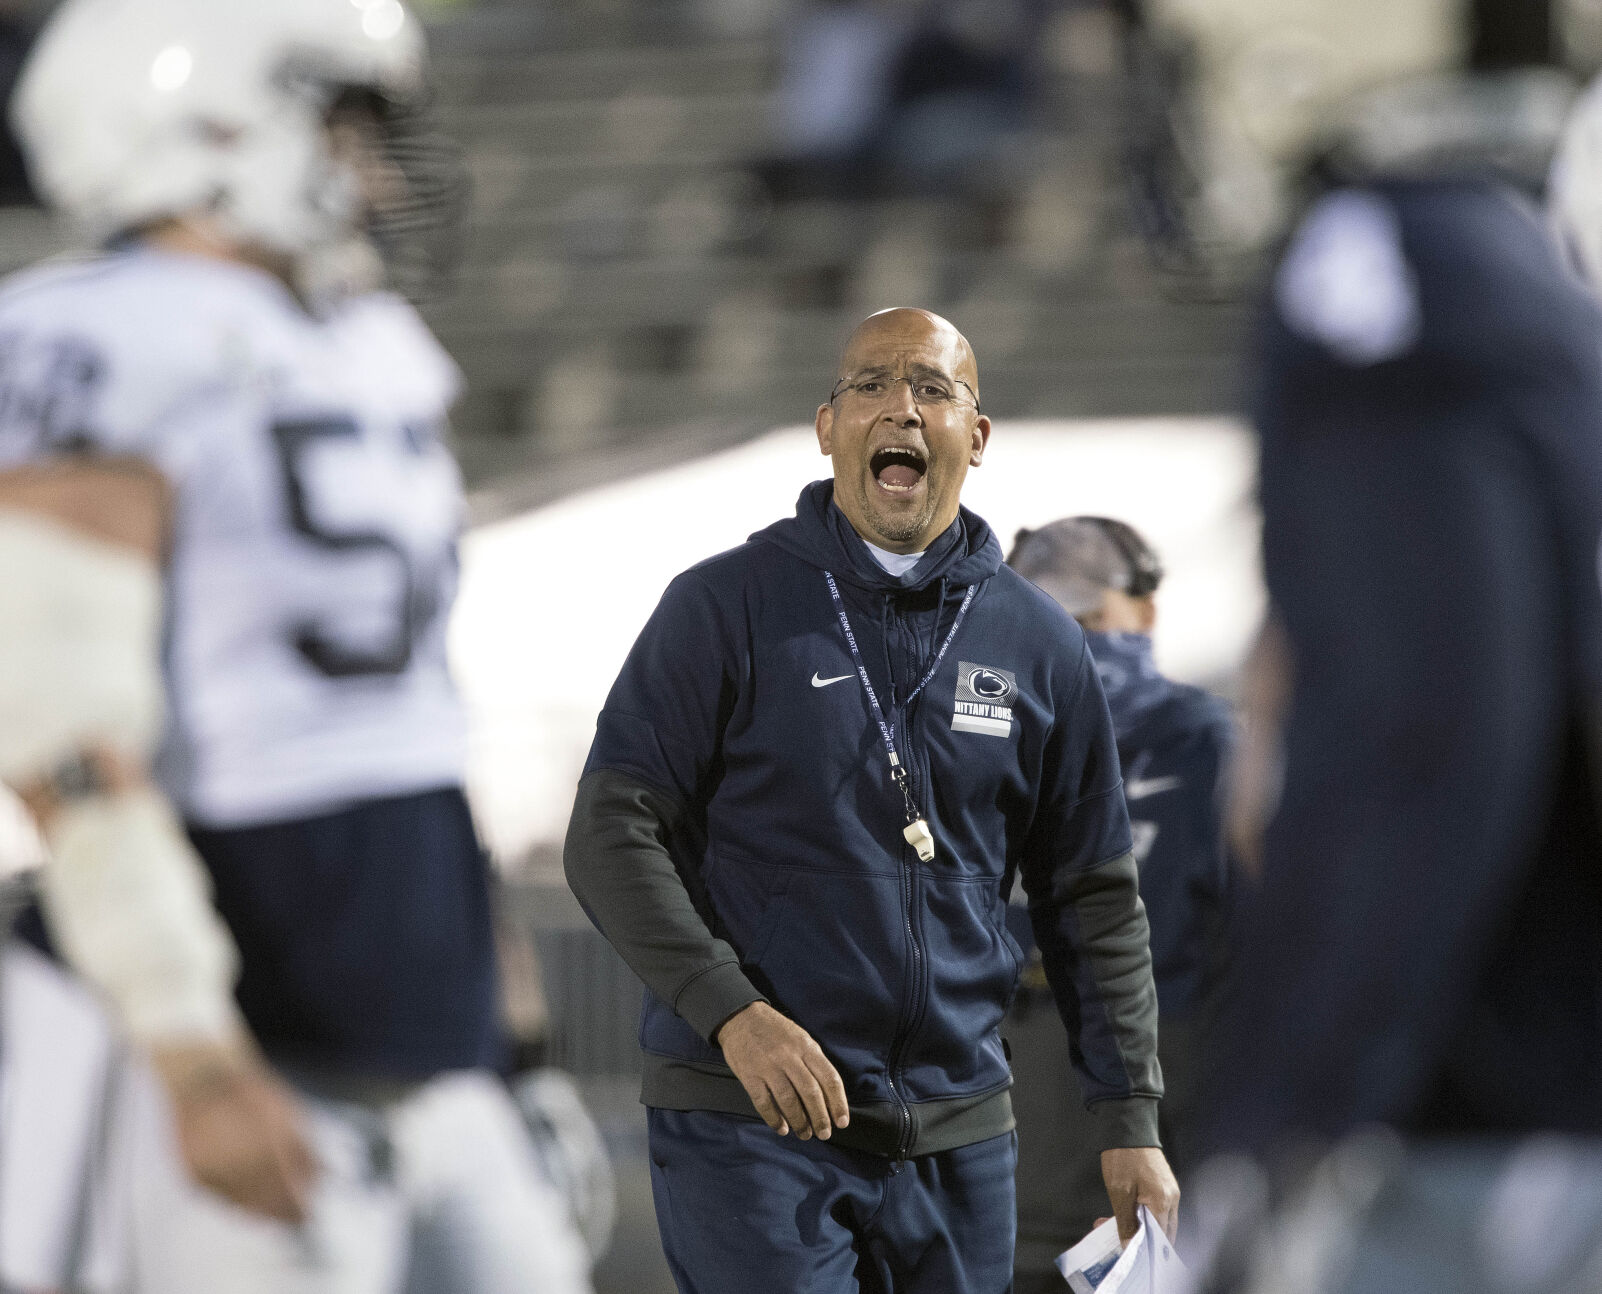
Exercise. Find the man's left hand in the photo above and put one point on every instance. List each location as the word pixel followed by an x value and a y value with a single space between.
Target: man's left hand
pixel 1140 1175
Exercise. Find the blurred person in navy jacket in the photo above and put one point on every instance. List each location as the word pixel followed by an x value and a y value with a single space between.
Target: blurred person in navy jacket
pixel 1174 745
pixel 1430 406
pixel 1427 388
pixel 1421 952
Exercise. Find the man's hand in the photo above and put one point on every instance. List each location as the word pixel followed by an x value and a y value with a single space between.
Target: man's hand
pixel 239 1129
pixel 785 1073
pixel 1136 1176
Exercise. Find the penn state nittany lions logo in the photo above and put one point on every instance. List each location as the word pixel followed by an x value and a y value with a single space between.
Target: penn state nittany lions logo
pixel 990 685
pixel 984 699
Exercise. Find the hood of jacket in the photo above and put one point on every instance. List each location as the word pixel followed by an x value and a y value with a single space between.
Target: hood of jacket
pixel 968 552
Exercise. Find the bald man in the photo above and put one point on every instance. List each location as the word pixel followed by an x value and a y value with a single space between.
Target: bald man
pixel 829 755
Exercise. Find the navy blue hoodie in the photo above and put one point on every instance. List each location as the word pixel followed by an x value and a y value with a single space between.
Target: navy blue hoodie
pixel 737 835
pixel 1174 743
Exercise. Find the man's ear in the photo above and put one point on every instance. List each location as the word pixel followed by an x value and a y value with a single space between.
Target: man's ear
pixel 979 438
pixel 825 427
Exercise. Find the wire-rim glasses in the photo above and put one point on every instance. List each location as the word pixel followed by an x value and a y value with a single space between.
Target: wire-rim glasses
pixel 928 389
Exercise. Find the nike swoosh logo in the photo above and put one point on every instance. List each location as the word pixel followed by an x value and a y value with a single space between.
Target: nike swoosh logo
pixel 824 682
pixel 1138 788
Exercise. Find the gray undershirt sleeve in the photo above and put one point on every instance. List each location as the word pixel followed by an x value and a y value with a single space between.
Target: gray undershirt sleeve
pixel 1117 995
pixel 617 863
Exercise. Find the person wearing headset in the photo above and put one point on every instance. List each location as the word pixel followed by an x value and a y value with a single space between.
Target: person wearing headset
pixel 1174 744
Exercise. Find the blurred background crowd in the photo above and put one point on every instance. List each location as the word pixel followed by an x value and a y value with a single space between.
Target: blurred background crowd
pixel 678 206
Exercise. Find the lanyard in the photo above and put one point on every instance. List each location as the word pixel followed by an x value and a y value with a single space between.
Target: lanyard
pixel 917 831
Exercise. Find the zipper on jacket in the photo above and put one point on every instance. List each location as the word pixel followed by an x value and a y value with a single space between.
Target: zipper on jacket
pixel 909 872
pixel 913 1007
pixel 915 985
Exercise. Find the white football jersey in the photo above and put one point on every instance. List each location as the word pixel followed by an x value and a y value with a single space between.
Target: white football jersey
pixel 316 515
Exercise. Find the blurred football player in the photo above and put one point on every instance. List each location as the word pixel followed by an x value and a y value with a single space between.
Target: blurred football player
pixel 224 452
pixel 1421 953
pixel 1174 745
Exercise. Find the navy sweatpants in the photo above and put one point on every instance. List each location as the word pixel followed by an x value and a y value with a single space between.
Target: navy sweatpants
pixel 742 1209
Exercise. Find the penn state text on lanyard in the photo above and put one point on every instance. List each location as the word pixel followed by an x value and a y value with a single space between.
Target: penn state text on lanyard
pixel 916 832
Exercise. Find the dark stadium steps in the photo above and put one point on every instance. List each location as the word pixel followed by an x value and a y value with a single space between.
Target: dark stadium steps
pixel 623 279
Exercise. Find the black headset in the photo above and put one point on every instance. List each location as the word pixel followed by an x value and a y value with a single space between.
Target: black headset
pixel 1145 567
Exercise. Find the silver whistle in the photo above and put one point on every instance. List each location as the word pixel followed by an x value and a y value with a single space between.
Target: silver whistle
pixel 921 838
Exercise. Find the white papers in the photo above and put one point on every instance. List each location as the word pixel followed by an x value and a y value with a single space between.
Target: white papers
pixel 1088 1263
pixel 1146 1265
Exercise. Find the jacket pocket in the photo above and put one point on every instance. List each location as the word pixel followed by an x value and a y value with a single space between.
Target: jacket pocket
pixel 998 922
pixel 834 960
pixel 773 914
pixel 973 965
pixel 748 897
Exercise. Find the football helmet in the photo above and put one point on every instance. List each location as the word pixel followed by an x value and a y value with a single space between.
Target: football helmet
pixel 1236 103
pixel 135 110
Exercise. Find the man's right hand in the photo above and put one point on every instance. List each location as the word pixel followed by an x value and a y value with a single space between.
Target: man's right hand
pixel 239 1129
pixel 784 1072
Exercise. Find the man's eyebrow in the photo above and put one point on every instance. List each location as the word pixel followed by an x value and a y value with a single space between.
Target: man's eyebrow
pixel 912 370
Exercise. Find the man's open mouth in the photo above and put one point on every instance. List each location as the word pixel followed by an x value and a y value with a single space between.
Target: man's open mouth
pixel 897 469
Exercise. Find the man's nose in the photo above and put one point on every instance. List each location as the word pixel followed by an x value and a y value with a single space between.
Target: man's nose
pixel 900 408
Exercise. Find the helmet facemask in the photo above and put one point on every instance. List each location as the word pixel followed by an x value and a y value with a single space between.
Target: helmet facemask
pixel 399 185
pixel 358 188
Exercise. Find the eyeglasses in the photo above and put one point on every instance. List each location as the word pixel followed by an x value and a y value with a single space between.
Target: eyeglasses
pixel 928 391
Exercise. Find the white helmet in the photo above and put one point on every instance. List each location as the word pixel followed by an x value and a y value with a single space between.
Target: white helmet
pixel 1266 78
pixel 1240 96
pixel 133 110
